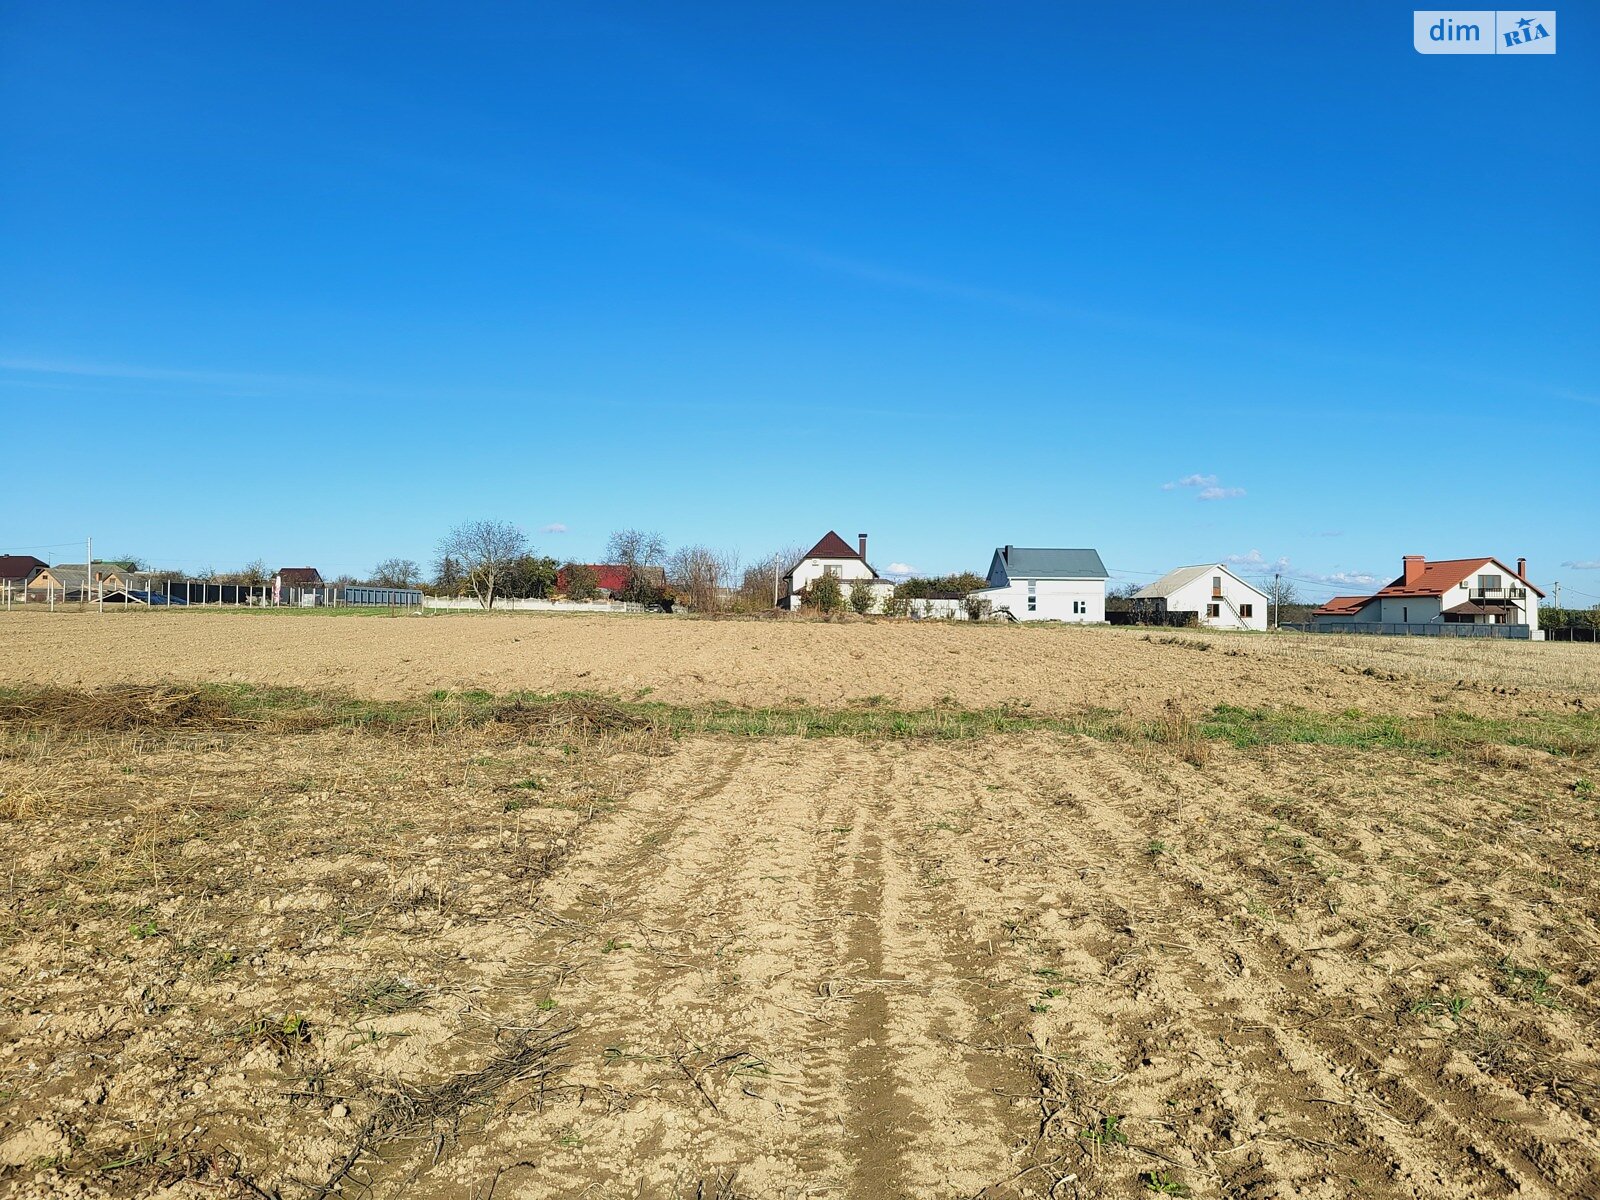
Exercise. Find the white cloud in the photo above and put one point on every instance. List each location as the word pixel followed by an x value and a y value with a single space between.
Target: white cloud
pixel 1256 561
pixel 1346 578
pixel 1583 564
pixel 1210 489
pixel 553 527
pixel 902 570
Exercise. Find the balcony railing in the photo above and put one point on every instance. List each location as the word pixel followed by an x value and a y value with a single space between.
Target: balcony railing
pixel 1496 593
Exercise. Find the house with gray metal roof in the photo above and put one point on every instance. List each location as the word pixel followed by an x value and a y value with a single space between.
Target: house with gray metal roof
pixel 77 581
pixel 1037 583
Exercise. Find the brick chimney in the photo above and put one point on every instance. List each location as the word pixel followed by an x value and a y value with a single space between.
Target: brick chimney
pixel 1522 567
pixel 1412 572
pixel 861 540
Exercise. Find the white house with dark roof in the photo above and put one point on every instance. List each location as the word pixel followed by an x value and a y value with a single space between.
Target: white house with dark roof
pixel 1031 583
pixel 1218 598
pixel 835 556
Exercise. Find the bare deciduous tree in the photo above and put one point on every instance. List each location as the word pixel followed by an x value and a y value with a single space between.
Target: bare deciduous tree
pixel 634 548
pixel 397 573
pixel 484 550
pixel 641 552
pixel 582 582
pixel 761 577
pixel 702 576
pixel 1119 596
pixel 252 574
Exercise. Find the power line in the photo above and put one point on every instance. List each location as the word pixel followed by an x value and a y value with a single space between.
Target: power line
pixel 43 546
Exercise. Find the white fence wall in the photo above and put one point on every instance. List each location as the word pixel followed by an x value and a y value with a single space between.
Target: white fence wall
pixel 467 604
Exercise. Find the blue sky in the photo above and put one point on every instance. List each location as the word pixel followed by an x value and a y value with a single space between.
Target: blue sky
pixel 1181 282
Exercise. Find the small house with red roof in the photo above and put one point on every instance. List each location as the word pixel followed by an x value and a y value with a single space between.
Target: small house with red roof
pixel 1450 591
pixel 837 557
pixel 611 579
pixel 17 571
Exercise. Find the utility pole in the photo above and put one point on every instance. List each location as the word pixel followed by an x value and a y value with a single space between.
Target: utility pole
pixel 88 566
pixel 775 581
pixel 1277 604
pixel 1556 587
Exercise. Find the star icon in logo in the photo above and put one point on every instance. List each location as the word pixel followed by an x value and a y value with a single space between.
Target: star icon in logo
pixel 1525 22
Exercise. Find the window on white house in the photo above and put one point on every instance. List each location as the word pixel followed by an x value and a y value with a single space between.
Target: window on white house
pixel 1079 607
pixel 1213 610
pixel 1489 583
pixel 1247 610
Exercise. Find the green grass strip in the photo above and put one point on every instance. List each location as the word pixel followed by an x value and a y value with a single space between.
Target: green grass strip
pixel 1572 734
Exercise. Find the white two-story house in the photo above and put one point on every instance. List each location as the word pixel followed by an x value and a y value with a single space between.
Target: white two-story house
pixel 1469 591
pixel 1031 583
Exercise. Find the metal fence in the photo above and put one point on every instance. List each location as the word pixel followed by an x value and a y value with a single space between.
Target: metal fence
pixel 1572 633
pixel 1446 629
pixel 392 597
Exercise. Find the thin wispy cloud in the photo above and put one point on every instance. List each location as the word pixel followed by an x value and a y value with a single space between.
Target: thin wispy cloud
pixel 1207 487
pixel 1190 481
pixel 129 371
pixel 1255 560
pixel 901 570
pixel 1583 564
pixel 553 527
pixel 1344 578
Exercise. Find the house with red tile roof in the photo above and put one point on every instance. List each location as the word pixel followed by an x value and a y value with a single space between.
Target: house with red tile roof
pixel 1450 591
pixel 835 556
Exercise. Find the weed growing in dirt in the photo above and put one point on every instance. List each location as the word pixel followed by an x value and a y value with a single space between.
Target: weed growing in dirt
pixel 1454 1005
pixel 1042 1004
pixel 146 928
pixel 1107 1131
pixel 1162 1184
pixel 221 962
pixel 282 1034
pixel 1527 983
pixel 389 994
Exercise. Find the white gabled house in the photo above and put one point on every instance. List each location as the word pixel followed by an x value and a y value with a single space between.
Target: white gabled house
pixel 1453 591
pixel 1031 583
pixel 1218 598
pixel 835 556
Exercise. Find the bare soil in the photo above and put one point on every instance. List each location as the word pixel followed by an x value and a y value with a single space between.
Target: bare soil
pixel 761 662
pixel 585 960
